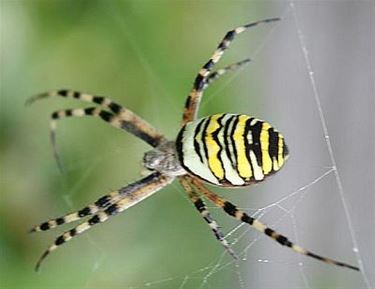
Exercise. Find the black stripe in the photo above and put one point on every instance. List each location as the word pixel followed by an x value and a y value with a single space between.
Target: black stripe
pixel 98 99
pixel 226 139
pixel 283 241
pixel 60 221
pixel 94 220
pixel 228 37
pixel 199 82
pixel 68 112
pixel 111 210
pixel 315 256
pixel 247 219
pixel 180 153
pixel 200 205
pixel 196 143
pixel 204 132
pixel 269 232
pixel 44 226
pixel 60 240
pixel 73 232
pixel 256 129
pixel 188 101
pixel 230 208
pixel 84 212
pixel 55 115
pixel 105 115
pixel 234 143
pixel 215 135
pixel 63 92
pixel 209 65
pixel 103 201
pixel 273 144
pixel 115 108
pixel 76 94
pixel 89 110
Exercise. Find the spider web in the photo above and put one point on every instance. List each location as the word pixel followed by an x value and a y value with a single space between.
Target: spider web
pixel 254 249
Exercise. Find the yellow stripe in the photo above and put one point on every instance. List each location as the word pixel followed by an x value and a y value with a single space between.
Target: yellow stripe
pixel 264 144
pixel 243 165
pixel 280 151
pixel 213 148
pixel 275 165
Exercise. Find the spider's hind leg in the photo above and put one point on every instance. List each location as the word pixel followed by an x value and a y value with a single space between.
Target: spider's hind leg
pixel 240 215
pixel 203 211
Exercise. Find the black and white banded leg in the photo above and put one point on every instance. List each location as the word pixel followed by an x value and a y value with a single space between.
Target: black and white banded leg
pixel 130 122
pixel 131 195
pixel 100 204
pixel 233 211
pixel 218 73
pixel 193 100
pixel 202 209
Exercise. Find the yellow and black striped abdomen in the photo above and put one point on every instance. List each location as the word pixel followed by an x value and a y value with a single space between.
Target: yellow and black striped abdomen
pixel 231 149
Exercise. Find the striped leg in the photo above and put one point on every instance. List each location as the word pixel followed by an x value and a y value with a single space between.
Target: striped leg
pixel 233 211
pixel 79 112
pixel 193 100
pixel 218 73
pixel 128 121
pixel 131 195
pixel 100 204
pixel 202 209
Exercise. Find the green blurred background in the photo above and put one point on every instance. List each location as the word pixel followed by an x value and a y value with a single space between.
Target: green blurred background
pixel 144 55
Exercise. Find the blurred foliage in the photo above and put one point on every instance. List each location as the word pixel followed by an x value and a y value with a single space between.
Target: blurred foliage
pixel 143 54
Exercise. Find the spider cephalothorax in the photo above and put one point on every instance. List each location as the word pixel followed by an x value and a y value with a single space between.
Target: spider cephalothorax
pixel 164 159
pixel 231 150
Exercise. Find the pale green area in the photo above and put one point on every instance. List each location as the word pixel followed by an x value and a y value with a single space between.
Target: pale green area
pixel 144 54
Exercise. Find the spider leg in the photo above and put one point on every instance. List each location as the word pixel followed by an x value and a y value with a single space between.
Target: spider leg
pixel 112 119
pixel 78 112
pixel 202 209
pixel 131 195
pixel 130 122
pixel 193 100
pixel 218 73
pixel 233 211
pixel 100 204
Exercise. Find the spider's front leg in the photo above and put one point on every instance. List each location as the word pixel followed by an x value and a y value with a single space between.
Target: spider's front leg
pixel 107 110
pixel 193 100
pixel 122 117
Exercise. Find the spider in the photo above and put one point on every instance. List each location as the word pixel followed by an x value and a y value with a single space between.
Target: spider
pixel 227 150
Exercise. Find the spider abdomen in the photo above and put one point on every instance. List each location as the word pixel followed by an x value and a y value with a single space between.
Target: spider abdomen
pixel 231 149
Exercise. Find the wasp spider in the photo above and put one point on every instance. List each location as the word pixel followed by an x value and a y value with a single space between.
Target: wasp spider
pixel 231 150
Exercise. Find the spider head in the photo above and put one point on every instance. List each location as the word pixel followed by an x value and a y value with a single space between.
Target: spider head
pixel 163 159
